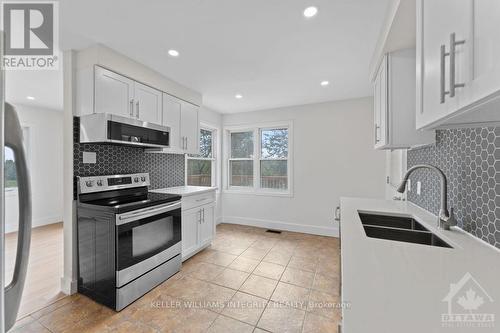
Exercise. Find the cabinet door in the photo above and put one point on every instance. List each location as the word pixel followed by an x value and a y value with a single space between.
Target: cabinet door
pixel 190 235
pixel 436 21
pixel 172 117
pixel 207 225
pixel 113 93
pixel 190 130
pixel 380 105
pixel 486 74
pixel 147 103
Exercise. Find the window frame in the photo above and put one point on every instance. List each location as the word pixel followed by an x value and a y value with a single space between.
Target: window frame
pixel 213 159
pixel 257 129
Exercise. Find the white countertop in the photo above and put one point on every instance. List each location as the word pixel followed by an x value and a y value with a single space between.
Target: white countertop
pixel 399 287
pixel 184 190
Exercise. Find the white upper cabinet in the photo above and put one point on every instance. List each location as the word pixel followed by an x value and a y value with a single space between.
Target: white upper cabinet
pixel 190 128
pixel 394 104
pixel 148 103
pixel 117 94
pixel 172 118
pixel 182 118
pixel 114 93
pixel 458 57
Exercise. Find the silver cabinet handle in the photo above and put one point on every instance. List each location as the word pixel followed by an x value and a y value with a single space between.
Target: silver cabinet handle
pixel 137 109
pixel 453 49
pixel 337 213
pixel 203 215
pixel 442 83
pixel 377 128
pixel 131 107
pixel 199 221
pixel 14 140
pixel 186 142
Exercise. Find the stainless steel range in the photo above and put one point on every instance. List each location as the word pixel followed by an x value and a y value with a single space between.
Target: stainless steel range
pixel 129 240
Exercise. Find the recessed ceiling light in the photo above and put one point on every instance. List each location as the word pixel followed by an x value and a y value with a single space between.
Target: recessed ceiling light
pixel 310 11
pixel 173 53
pixel 31 98
pixel 325 83
pixel 238 96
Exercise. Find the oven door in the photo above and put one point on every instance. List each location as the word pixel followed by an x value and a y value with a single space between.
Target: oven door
pixel 146 238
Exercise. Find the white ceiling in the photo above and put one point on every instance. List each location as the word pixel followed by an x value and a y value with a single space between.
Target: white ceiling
pixel 263 49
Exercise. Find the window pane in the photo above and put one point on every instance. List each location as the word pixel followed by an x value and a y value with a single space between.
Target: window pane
pixel 10 169
pixel 199 172
pixel 273 174
pixel 274 143
pixel 206 143
pixel 241 173
pixel 242 145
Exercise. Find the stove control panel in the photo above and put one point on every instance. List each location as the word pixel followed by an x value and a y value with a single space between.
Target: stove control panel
pixel 112 182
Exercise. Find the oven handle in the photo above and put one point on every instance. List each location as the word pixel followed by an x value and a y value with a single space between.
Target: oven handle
pixel 147 212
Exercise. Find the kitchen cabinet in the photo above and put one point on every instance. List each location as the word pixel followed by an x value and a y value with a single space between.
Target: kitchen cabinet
pixel 458 57
pixel 198 222
pixel 114 93
pixel 182 118
pixel 119 95
pixel 394 104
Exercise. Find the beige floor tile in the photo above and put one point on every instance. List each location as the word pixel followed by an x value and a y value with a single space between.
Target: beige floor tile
pixel 216 297
pixel 259 330
pixel 278 257
pixel 326 283
pixel 244 264
pixel 32 327
pixel 280 318
pixel 221 258
pixel 303 263
pixel 231 278
pixel 269 270
pixel 187 288
pixel 317 324
pixel 298 277
pixel 259 286
pixel 245 307
pixel 291 295
pixel 254 253
pixel 324 304
pixel 206 271
pixel 66 316
pixel 224 325
pixel 128 326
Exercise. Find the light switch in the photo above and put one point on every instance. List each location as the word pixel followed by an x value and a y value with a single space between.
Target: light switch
pixel 89 157
pixel 419 188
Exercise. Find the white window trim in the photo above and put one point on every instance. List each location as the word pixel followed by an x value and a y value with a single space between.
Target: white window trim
pixel 215 153
pixel 256 189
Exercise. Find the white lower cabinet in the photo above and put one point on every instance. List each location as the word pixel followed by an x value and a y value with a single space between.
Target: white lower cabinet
pixel 198 224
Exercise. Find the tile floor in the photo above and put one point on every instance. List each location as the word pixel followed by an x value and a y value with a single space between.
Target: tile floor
pixel 247 281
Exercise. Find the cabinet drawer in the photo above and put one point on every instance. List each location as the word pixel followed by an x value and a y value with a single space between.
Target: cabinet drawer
pixel 193 201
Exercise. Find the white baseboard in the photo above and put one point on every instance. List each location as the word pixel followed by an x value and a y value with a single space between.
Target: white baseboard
pixel 219 220
pixel 37 222
pixel 68 286
pixel 280 225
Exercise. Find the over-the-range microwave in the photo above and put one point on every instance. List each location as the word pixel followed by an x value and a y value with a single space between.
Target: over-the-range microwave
pixel 113 129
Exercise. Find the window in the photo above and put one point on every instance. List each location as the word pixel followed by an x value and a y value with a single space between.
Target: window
pixel 10 173
pixel 200 169
pixel 258 159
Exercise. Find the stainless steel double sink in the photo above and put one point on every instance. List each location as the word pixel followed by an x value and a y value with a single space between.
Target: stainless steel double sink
pixel 399 228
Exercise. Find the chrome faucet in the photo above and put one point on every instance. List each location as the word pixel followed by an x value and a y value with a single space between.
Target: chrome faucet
pixel 445 218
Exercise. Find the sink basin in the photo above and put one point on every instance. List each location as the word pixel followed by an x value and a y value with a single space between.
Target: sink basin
pixel 402 235
pixel 391 221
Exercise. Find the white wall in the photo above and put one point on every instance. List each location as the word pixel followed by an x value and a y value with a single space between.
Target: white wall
pixel 214 119
pixel 333 157
pixel 45 161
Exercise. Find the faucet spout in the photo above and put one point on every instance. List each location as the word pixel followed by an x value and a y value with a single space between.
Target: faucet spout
pixel 446 218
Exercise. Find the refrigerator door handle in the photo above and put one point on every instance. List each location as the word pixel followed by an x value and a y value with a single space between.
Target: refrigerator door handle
pixel 14 140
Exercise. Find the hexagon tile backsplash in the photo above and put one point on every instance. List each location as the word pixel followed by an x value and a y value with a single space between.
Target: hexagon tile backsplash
pixel 165 170
pixel 470 158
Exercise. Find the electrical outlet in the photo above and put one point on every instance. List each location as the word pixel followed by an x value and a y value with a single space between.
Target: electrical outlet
pixel 419 188
pixel 408 186
pixel 89 157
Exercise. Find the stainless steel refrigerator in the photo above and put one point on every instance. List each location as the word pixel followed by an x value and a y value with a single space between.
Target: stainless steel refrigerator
pixel 11 136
